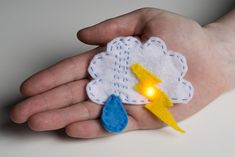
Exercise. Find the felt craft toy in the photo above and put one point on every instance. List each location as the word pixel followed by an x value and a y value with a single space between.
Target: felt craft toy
pixel 137 74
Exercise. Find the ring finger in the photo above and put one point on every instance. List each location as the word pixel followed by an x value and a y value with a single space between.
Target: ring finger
pixel 59 118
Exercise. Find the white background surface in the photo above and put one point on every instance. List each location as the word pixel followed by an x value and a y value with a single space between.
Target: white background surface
pixel 36 34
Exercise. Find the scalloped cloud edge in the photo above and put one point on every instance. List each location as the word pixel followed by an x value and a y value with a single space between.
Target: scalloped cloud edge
pixel 111 47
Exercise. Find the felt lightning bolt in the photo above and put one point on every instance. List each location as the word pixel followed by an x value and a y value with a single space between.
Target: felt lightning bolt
pixel 159 101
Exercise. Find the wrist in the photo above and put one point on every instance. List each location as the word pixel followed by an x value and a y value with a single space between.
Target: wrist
pixel 222 40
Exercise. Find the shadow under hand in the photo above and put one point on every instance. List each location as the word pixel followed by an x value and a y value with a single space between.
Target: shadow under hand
pixel 7 127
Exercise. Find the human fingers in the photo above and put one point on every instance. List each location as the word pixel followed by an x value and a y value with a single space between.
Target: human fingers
pixel 67 70
pixel 61 96
pixel 59 118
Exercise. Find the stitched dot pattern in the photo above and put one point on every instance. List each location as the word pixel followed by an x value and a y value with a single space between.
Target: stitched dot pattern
pixel 117 59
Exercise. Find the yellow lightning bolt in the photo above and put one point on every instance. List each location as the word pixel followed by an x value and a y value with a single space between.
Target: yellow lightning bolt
pixel 159 101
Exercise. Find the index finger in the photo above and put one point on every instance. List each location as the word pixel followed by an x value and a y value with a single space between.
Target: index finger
pixel 67 70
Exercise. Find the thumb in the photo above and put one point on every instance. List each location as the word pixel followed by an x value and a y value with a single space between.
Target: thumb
pixel 99 34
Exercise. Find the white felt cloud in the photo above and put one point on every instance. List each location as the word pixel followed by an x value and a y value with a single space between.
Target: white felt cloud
pixel 111 71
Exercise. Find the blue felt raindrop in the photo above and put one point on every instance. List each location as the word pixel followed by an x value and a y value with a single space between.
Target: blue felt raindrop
pixel 114 117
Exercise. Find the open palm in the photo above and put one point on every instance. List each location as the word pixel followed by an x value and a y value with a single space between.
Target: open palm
pixel 57 97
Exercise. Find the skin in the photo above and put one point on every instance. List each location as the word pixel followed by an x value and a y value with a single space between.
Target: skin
pixel 56 96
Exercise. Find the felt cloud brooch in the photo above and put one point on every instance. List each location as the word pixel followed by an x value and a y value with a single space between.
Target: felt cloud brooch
pixel 137 73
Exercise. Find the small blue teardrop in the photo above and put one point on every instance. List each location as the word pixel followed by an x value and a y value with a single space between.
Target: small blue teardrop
pixel 114 118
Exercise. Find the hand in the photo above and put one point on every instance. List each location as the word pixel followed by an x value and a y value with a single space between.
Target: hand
pixel 57 97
